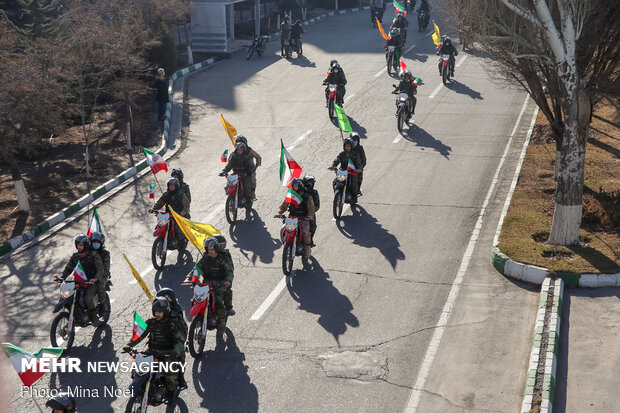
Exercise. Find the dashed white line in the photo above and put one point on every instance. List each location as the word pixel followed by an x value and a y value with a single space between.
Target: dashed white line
pixel 461 61
pixel 348 98
pixel 430 33
pixel 433 346
pixel 301 138
pixel 436 91
pixel 269 300
pixel 408 50
pixel 381 71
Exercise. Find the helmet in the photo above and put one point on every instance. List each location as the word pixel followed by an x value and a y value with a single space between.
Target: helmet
pixel 240 145
pixel 83 239
pixel 62 401
pixel 287 18
pixel 212 243
pixel 240 139
pixel 97 236
pixel 346 142
pixel 407 73
pixel 221 240
pixel 333 62
pixel 173 181
pixel 168 293
pixel 297 182
pixel 447 40
pixel 177 173
pixel 309 179
pixel 355 137
pixel 161 304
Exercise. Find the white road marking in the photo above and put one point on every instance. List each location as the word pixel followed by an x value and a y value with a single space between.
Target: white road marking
pixel 112 300
pixel 408 50
pixel 349 98
pixel 430 33
pixel 433 346
pixel 436 91
pixel 461 61
pixel 381 71
pixel 301 138
pixel 269 300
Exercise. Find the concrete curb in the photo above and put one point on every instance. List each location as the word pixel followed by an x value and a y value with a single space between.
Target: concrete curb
pixel 135 171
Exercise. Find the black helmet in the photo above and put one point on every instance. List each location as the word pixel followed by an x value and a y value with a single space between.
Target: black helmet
pixel 221 240
pixel 407 73
pixel 173 181
pixel 355 137
pixel 62 401
pixel 177 173
pixel 242 139
pixel 83 239
pixel 212 243
pixel 161 304
pixel 332 63
pixel 168 293
pixel 297 182
pixel 447 40
pixel 346 142
pixel 309 179
pixel 97 236
pixel 240 145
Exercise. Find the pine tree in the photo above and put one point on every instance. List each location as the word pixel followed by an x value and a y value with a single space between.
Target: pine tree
pixel 38 18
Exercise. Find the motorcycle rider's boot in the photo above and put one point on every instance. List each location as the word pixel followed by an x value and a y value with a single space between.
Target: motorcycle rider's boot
pixel 92 315
pixel 231 312
pixel 307 251
pixel 182 382
pixel 222 328
pixel 172 396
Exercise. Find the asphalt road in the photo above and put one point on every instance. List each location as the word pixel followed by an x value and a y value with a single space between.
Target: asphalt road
pixel 351 331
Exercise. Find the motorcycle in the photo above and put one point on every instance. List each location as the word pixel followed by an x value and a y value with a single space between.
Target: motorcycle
pixel 376 13
pixel 402 109
pixel 148 388
pixel 333 96
pixel 392 59
pixel 410 5
pixel 204 316
pixel 422 20
pixel 445 68
pixel 291 46
pixel 258 43
pixel 165 239
pixel 72 299
pixel 292 238
pixel 342 191
pixel 236 197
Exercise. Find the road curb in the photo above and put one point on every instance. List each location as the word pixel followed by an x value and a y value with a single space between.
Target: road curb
pixel 136 170
pixel 540 383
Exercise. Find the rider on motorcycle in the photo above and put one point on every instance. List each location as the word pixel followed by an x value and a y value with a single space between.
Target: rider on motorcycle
pixel 229 294
pixel 174 197
pixel 165 337
pixel 401 23
pixel 178 173
pixel 296 31
pixel 62 403
pixel 335 76
pixel 447 48
pixel 216 268
pixel 427 11
pixel 240 161
pixel 343 160
pixel 176 315
pixel 309 182
pixel 255 155
pixel 305 209
pixel 285 31
pixel 97 240
pixel 407 85
pixel 395 39
pixel 378 8
pixel 93 267
pixel 359 150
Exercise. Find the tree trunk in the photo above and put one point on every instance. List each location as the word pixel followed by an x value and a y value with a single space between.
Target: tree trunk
pixel 188 43
pixel 18 182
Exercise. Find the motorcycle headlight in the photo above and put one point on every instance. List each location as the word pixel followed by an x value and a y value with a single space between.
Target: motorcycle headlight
pixel 290 228
pixel 332 89
pixel 342 178
pixel 201 297
pixel 403 99
pixel 65 294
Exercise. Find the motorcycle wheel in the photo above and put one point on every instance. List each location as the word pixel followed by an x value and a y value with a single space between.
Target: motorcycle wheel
pixel 231 212
pixel 196 337
pixel 288 52
pixel 390 64
pixel 59 336
pixel 157 255
pixel 260 50
pixel 402 116
pixel 249 52
pixel 288 255
pixel 444 75
pixel 330 108
pixel 337 209
pixel 134 404
pixel 103 311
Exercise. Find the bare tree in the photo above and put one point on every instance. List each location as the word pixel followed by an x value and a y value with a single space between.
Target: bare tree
pixel 565 54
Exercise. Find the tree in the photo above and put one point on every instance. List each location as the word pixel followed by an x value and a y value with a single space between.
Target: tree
pixel 565 54
pixel 40 19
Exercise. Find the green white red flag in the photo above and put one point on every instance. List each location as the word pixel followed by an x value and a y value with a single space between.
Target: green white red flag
pixel 155 161
pixel 292 197
pixel 351 168
pixel 403 66
pixel 139 325
pixel 398 8
pixel 196 275
pixel 224 156
pixel 95 223
pixel 16 355
pixel 289 168
pixel 79 274
pixel 152 191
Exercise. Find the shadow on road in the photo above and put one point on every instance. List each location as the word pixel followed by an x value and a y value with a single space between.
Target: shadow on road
pixel 357 128
pixel 253 239
pixel 302 61
pixel 316 294
pixel 464 89
pixel 423 139
pixel 221 379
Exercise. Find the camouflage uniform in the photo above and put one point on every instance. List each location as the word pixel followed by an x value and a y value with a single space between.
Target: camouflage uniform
pixel 317 204
pixel 359 151
pixel 94 268
pixel 229 294
pixel 105 257
pixel 343 160
pixel 305 209
pixel 242 165
pixel 176 315
pixel 217 270
pixel 179 202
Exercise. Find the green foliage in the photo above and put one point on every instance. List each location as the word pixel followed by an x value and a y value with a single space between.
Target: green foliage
pixel 165 53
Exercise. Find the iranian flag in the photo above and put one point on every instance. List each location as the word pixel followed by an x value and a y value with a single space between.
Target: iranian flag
pixel 292 197
pixel 403 66
pixel 79 274
pixel 152 191
pixel 289 168
pixel 16 354
pixel 196 275
pixel 398 8
pixel 155 161
pixel 95 223
pixel 224 156
pixel 138 326
pixel 351 168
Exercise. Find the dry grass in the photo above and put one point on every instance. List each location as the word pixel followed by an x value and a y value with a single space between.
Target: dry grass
pixel 527 224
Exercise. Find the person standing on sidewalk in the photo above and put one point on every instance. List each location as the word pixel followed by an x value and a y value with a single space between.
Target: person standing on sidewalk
pixel 161 85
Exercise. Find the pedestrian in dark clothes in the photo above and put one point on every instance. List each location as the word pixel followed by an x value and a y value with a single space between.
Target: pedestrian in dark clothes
pixel 161 85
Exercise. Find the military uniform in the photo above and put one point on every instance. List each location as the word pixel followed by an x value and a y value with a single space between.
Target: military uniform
pixel 259 160
pixel 186 191
pixel 217 270
pixel 410 89
pixel 179 202
pixel 165 336
pixel 359 151
pixel 94 268
pixel 336 79
pixel 244 166
pixel 228 297
pixel 305 208
pixel 105 257
pixel 317 204
pixel 176 315
pixel 343 160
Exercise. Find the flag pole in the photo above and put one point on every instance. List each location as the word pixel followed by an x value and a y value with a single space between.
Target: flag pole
pixel 36 403
pixel 156 180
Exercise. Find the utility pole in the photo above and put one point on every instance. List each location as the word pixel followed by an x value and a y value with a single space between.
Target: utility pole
pixel 257 22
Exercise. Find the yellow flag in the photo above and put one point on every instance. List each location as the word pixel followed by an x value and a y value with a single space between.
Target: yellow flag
pixel 136 274
pixel 195 232
pixel 230 130
pixel 436 36
pixel 381 29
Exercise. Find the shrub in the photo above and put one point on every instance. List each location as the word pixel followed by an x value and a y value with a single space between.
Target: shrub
pixel 165 53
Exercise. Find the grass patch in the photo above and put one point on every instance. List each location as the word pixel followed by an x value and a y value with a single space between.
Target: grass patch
pixel 526 228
